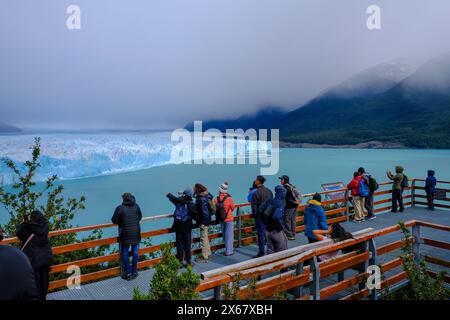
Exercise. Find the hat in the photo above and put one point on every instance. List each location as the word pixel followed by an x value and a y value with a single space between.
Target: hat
pixel 223 187
pixel 317 197
pixel 187 192
pixel 284 177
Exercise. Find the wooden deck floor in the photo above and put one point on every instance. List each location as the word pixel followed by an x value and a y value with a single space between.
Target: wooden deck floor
pixel 119 289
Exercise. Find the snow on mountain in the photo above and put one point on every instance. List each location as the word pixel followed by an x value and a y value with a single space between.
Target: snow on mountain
pixel 374 80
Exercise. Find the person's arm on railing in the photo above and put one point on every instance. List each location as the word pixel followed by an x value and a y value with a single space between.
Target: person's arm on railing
pixel 139 212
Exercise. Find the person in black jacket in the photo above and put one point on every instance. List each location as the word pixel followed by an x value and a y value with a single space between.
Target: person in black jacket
pixel 261 195
pixel 128 216
pixel 291 204
pixel 182 224
pixel 17 279
pixel 33 233
pixel 203 200
pixel 1 235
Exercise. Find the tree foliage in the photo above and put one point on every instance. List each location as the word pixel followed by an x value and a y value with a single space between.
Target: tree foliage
pixel 25 195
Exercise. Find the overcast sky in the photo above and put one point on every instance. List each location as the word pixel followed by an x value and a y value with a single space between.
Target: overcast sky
pixel 160 63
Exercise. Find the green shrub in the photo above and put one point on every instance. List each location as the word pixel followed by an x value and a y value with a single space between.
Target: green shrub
pixel 168 283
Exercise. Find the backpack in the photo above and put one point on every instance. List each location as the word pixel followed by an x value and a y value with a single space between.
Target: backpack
pixel 405 181
pixel 181 213
pixel 267 213
pixel 212 207
pixel 221 213
pixel 193 212
pixel 297 195
pixel 373 184
pixel 363 189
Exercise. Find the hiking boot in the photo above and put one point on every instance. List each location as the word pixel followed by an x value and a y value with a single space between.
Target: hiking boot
pixel 202 260
pixel 291 238
pixel 371 217
pixel 260 254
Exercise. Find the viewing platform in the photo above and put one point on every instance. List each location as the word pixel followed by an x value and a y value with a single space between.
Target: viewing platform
pixel 342 277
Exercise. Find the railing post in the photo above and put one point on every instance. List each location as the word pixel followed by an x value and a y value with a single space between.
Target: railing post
pixel 239 226
pixel 413 193
pixel 340 276
pixel 364 265
pixel 298 291
pixel 347 205
pixel 314 286
pixel 416 244
pixel 373 261
pixel 218 293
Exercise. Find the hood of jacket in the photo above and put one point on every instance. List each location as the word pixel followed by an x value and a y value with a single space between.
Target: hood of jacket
pixel 399 169
pixel 38 226
pixel 280 193
pixel 129 200
pixel 431 173
pixel 314 202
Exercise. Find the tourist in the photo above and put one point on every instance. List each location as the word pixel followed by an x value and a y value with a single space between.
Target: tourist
pixel 182 224
pixel 291 204
pixel 336 233
pixel 430 189
pixel 261 195
pixel 33 234
pixel 203 202
pixel 1 235
pixel 368 201
pixel 276 237
pixel 358 200
pixel 397 188
pixel 224 208
pixel 128 216
pixel 314 218
pixel 17 277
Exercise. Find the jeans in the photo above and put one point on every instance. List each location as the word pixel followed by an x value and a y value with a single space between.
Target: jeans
pixel 183 242
pixel 397 198
pixel 261 231
pixel 204 242
pixel 289 222
pixel 368 204
pixel 126 260
pixel 228 236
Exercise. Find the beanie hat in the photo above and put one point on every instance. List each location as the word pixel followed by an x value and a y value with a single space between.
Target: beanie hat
pixel 223 188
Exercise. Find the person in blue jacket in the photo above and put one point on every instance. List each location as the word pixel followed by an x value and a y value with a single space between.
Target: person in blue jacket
pixel 251 191
pixel 430 189
pixel 314 218
pixel 276 238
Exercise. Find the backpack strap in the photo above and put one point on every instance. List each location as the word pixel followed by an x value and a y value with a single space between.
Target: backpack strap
pixel 28 241
pixel 223 200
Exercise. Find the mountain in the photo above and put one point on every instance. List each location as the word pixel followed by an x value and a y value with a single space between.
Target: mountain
pixel 6 128
pixel 414 112
pixel 265 119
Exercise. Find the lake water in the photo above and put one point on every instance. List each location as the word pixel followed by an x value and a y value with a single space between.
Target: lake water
pixel 308 169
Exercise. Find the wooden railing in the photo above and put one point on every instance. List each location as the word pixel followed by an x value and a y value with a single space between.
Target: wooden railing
pixel 301 276
pixel 339 211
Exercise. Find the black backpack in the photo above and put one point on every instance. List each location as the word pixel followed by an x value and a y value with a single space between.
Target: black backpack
pixel 221 213
pixel 373 184
pixel 193 212
pixel 267 213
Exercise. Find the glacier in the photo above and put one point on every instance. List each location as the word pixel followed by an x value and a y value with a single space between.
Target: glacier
pixel 80 155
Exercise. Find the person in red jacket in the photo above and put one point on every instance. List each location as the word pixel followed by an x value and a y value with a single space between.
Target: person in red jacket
pixel 358 201
pixel 228 223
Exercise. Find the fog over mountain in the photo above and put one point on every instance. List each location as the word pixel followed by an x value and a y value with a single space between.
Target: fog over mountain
pixel 160 64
